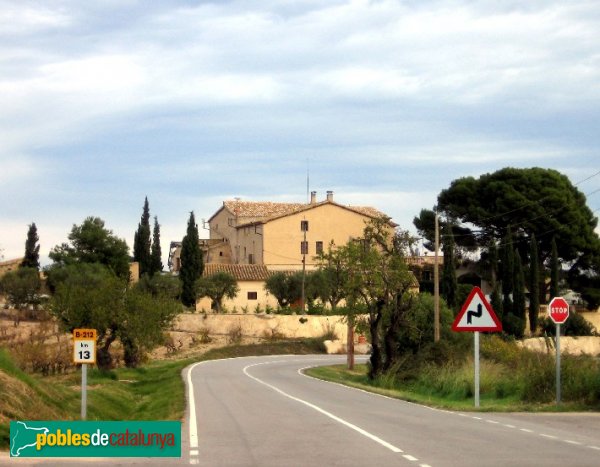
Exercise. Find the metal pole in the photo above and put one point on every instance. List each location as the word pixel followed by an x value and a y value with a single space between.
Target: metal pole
pixel 558 364
pixel 476 369
pixel 83 391
pixel 436 284
pixel 304 272
pixel 350 344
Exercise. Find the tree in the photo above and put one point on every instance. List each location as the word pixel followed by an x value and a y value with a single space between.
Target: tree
pixel 533 201
pixel 159 285
pixel 156 264
pixel 554 270
pixel 287 289
pixel 21 289
pixel 191 263
pixel 31 258
pixel 332 287
pixel 518 297
pixel 379 278
pixel 92 296
pixel 449 282
pixel 217 287
pixel 92 242
pixel 495 299
pixel 534 285
pixel 141 241
pixel 507 271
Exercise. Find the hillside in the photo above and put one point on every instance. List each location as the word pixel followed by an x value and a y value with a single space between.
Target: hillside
pixel 23 397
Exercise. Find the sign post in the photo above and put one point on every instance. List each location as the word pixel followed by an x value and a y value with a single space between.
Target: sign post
pixel 476 315
pixel 558 310
pixel 84 352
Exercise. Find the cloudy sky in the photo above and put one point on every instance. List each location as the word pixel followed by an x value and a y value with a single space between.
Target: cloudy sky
pixel 191 102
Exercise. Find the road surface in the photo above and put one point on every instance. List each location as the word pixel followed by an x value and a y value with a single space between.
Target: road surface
pixel 262 411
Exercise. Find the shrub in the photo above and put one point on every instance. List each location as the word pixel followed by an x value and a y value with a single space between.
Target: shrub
pixel 576 325
pixel 234 334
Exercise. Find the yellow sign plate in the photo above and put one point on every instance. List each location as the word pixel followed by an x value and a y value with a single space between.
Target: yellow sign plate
pixel 85 334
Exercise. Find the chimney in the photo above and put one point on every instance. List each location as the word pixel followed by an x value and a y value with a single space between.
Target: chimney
pixel 330 196
pixel 313 197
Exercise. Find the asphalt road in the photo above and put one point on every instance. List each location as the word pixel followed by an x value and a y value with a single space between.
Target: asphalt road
pixel 262 411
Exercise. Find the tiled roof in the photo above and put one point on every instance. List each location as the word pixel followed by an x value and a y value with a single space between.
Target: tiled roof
pixel 241 272
pixel 261 209
pixel 264 211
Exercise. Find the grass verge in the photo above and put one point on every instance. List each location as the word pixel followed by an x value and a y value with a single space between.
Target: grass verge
pixel 152 392
pixel 418 393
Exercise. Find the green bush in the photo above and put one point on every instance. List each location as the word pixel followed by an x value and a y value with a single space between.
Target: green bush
pixel 576 325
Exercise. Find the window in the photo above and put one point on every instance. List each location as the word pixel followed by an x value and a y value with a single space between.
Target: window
pixel 252 295
pixel 304 226
pixel 303 248
pixel 250 258
pixel 319 248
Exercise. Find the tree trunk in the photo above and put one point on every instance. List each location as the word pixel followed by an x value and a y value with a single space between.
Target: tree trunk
pixel 376 356
pixel 104 360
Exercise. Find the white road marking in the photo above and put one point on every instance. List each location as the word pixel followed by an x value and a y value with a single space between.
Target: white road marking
pixel 194 461
pixel 192 404
pixel 194 452
pixel 594 447
pixel 526 430
pixel 510 426
pixel 410 458
pixel 576 443
pixel 494 422
pixel 365 433
pixel 548 436
pixel 477 418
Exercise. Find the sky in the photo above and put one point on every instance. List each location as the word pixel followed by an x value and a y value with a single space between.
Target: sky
pixel 190 103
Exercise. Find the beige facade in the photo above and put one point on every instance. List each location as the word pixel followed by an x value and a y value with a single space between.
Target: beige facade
pixel 273 233
pixel 10 265
pixel 251 280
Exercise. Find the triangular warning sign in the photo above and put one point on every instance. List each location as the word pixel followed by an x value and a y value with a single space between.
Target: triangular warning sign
pixel 476 314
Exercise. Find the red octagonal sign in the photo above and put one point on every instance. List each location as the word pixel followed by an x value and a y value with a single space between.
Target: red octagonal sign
pixel 558 309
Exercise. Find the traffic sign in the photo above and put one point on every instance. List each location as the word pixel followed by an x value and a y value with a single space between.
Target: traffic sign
pixel 476 314
pixel 84 345
pixel 558 310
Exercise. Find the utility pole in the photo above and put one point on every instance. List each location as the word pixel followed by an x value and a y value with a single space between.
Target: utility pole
pixel 436 283
pixel 304 251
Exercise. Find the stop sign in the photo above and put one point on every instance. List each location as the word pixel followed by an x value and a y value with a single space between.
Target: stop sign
pixel 558 309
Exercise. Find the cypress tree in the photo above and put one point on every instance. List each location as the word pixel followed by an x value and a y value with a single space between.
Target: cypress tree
pixel 534 285
pixel 191 262
pixel 508 267
pixel 519 297
pixel 554 268
pixel 141 241
pixel 32 249
pixel 495 299
pixel 156 264
pixel 449 283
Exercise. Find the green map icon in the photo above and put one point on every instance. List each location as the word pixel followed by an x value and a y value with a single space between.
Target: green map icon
pixel 23 436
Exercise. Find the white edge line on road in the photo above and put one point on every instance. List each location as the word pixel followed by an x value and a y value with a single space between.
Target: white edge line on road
pixel 192 403
pixel 365 433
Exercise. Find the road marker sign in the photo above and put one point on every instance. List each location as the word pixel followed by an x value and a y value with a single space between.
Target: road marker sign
pixel 476 314
pixel 84 352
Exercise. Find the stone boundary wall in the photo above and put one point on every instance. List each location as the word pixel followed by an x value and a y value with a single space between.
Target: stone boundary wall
pixel 568 345
pixel 263 325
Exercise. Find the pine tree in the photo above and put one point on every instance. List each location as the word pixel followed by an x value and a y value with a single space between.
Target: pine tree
pixel 554 268
pixel 519 297
pixel 191 262
pixel 534 285
pixel 449 283
pixel 32 250
pixel 141 241
pixel 156 264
